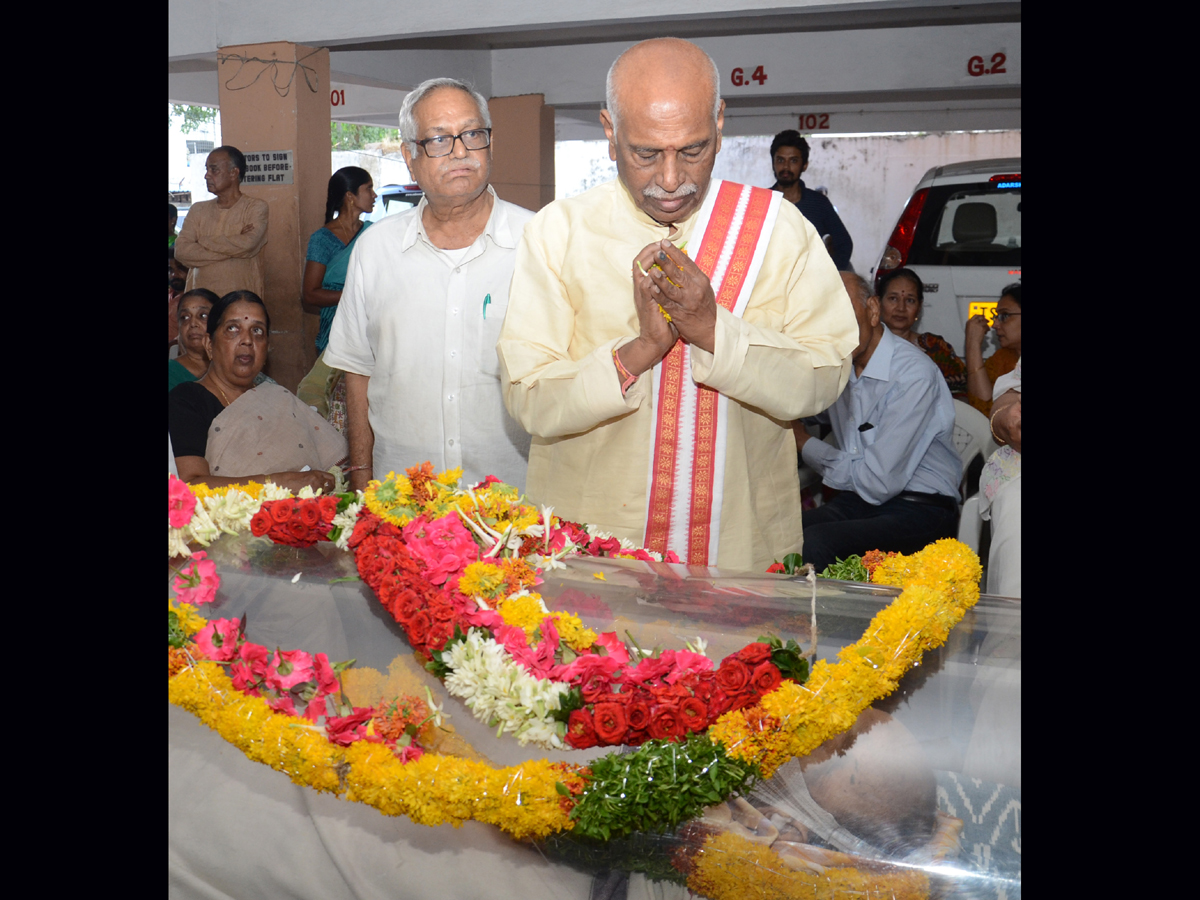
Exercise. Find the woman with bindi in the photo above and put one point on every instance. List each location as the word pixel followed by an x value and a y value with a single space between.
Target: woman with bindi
pixel 224 430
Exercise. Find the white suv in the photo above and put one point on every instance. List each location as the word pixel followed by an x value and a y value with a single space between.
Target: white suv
pixel 961 232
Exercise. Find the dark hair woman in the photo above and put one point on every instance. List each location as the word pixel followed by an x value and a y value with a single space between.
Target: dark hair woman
pixel 191 319
pixel 981 373
pixel 350 194
pixel 225 430
pixel 901 296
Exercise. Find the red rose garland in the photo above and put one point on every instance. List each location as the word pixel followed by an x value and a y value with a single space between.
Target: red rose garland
pixel 296 523
pixel 663 698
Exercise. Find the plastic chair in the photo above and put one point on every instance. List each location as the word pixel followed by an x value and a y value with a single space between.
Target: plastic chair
pixel 972 436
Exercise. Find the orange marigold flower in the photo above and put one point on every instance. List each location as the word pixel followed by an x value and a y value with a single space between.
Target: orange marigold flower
pixel 872 558
pixel 177 660
pixel 392 718
pixel 420 477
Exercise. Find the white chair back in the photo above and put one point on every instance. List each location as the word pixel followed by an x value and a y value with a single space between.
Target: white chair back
pixel 972 434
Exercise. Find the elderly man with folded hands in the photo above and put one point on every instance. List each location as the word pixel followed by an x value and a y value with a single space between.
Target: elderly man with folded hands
pixel 673 432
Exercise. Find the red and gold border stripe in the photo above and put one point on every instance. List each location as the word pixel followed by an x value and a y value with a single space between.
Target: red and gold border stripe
pixel 703 475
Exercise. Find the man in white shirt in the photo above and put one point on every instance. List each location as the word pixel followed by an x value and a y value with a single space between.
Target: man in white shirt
pixel 425 296
pixel 895 462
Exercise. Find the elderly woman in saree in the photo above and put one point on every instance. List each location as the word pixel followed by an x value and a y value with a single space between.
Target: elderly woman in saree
pixel 225 430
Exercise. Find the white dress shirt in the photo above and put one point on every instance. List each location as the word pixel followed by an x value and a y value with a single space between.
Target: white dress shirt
pixel 902 395
pixel 423 326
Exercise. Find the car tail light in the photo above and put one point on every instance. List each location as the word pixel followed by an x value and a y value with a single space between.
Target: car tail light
pixel 898 245
pixel 895 255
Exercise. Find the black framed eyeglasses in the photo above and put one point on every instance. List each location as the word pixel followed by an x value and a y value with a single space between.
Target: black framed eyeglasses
pixel 443 144
pixel 1004 316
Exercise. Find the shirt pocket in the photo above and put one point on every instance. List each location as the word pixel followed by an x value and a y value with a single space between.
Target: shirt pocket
pixel 485 333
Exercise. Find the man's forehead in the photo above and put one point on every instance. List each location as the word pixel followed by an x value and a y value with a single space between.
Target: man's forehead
pixel 446 106
pixel 667 145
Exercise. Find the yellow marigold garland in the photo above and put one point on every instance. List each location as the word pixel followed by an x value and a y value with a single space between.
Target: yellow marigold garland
pixel 939 584
pixel 521 800
pixel 729 867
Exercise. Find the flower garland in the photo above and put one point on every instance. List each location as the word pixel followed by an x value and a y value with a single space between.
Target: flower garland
pixel 200 514
pixel 537 799
pixel 726 863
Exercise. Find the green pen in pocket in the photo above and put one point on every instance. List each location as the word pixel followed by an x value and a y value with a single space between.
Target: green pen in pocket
pixel 486 301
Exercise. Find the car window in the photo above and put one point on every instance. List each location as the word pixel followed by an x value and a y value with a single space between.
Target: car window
pixel 969 225
pixel 399 204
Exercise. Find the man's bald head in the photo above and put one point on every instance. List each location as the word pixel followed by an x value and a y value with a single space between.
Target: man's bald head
pixel 666 93
pixel 652 62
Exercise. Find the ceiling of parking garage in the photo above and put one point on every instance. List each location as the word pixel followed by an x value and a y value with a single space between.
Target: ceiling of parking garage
pixel 847 67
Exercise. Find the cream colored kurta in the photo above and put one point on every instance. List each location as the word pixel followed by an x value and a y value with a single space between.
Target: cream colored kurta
pixel 571 303
pixel 219 256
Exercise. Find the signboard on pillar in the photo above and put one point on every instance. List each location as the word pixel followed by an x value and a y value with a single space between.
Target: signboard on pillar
pixel 269 167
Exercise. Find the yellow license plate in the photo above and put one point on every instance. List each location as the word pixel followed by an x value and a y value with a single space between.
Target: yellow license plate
pixel 987 309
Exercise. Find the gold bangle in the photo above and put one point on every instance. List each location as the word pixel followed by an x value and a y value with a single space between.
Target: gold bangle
pixel 992 428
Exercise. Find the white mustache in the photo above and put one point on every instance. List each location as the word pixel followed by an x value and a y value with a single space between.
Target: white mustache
pixel 469 161
pixel 658 193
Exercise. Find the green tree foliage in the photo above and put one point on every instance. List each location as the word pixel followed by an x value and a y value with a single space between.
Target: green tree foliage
pixel 346 136
pixel 193 116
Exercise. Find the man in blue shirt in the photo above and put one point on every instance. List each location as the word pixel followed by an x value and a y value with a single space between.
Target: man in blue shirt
pixel 897 469
pixel 789 156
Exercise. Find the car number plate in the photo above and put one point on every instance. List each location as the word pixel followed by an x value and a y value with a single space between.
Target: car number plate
pixel 987 309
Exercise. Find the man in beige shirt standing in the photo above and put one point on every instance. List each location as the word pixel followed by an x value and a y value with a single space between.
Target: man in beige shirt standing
pixel 673 433
pixel 222 239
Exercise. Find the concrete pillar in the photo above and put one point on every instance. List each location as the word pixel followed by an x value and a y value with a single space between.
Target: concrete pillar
pixel 523 150
pixel 255 117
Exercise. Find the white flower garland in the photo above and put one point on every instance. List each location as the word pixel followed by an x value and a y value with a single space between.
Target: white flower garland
pixel 501 693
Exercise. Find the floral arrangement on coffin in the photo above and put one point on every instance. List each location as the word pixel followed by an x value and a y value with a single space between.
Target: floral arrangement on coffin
pixel 456 567
pixel 295 683
pixel 200 514
pixel 490 636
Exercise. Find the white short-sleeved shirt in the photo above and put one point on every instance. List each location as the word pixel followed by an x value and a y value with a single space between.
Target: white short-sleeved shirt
pixel 423 326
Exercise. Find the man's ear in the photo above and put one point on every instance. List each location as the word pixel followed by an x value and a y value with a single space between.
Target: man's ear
pixel 873 311
pixel 609 132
